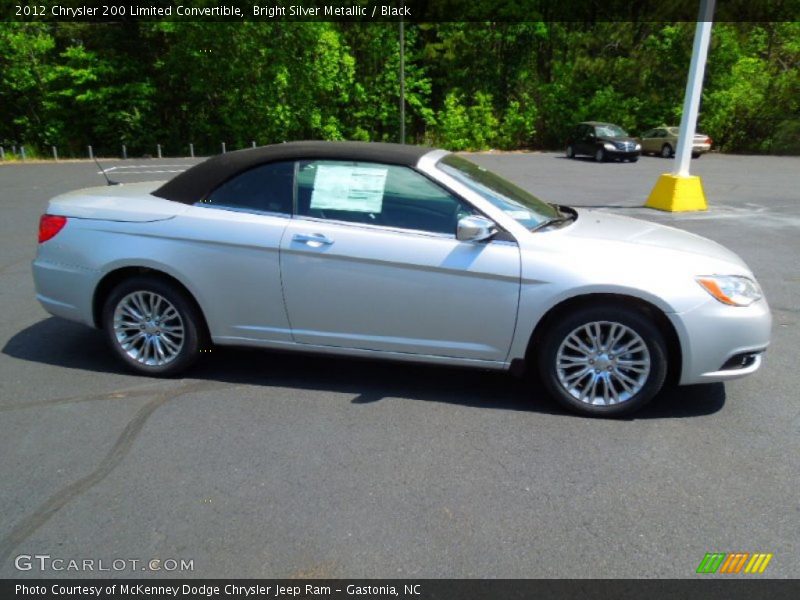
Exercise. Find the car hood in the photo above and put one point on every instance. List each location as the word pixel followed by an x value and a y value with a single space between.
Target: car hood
pixel 605 231
pixel 605 138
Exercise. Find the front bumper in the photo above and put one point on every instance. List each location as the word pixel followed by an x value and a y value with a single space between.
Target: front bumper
pixel 721 342
pixel 621 154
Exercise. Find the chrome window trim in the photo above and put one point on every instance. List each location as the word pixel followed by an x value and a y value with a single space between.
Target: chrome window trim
pixel 417 232
pixel 246 211
pixel 386 229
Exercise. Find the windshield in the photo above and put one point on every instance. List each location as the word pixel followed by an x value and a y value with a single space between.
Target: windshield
pixel 611 131
pixel 516 202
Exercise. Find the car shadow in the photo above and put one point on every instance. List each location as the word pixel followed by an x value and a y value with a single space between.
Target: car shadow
pixel 575 158
pixel 590 159
pixel 61 343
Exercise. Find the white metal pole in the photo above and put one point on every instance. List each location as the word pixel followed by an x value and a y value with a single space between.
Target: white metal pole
pixel 694 88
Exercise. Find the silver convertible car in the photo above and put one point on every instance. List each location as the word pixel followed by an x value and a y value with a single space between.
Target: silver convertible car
pixel 404 253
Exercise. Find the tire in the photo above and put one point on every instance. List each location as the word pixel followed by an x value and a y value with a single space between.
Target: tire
pixel 570 151
pixel 600 155
pixel 698 155
pixel 152 346
pixel 666 151
pixel 613 385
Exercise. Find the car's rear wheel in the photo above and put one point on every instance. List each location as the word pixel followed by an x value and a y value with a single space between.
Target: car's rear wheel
pixel 666 151
pixel 152 326
pixel 603 361
pixel 570 151
pixel 600 155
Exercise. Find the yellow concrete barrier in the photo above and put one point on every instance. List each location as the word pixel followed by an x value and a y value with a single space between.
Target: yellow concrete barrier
pixel 677 193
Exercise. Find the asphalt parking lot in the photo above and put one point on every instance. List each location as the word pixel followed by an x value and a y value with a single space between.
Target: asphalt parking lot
pixel 259 464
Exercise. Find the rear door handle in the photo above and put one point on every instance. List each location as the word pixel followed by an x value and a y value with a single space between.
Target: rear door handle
pixel 312 239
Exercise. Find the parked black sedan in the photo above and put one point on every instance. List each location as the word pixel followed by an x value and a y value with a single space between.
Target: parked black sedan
pixel 603 141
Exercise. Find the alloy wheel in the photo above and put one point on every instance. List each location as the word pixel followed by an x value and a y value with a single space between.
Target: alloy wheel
pixel 148 328
pixel 603 363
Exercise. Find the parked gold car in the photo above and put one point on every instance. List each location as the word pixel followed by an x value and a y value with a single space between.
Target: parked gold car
pixel 664 141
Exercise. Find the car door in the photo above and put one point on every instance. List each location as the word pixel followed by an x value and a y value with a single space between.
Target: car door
pixel 583 144
pixel 229 245
pixel 659 138
pixel 371 261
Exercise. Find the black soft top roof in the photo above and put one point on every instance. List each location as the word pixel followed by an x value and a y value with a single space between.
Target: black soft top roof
pixel 194 184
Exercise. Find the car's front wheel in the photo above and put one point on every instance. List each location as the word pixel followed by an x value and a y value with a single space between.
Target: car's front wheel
pixel 603 361
pixel 600 155
pixel 152 326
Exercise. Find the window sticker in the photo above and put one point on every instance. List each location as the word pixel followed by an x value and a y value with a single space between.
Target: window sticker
pixel 356 189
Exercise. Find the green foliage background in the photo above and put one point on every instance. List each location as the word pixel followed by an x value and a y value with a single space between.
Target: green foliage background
pixel 468 85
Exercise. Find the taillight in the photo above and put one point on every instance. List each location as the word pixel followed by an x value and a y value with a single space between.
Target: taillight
pixel 49 226
pixel 709 141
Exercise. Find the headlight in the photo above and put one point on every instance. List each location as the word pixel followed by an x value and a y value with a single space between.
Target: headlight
pixel 731 289
pixel 609 146
pixel 637 147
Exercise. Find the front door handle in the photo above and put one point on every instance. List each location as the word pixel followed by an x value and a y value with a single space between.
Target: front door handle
pixel 312 239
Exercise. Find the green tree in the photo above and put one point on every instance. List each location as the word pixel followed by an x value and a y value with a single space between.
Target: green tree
pixel 25 66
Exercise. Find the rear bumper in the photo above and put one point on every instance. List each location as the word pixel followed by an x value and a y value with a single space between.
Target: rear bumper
pixel 722 342
pixel 65 290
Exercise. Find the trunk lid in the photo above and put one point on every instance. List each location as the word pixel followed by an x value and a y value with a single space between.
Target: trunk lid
pixel 130 202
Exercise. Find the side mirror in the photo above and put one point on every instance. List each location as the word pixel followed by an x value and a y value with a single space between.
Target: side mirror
pixel 475 229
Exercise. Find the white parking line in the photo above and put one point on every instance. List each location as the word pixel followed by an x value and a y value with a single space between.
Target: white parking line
pixel 145 166
pixel 139 172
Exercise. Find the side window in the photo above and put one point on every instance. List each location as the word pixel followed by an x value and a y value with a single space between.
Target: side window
pixel 267 188
pixel 649 133
pixel 376 194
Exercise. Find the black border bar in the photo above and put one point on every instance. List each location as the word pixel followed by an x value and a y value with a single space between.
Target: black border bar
pixel 420 11
pixel 712 588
